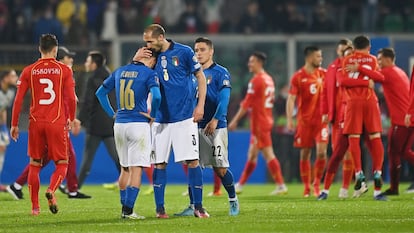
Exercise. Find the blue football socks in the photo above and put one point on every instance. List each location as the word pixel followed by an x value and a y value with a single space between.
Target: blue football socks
pixel 131 196
pixel 228 182
pixel 195 176
pixel 159 181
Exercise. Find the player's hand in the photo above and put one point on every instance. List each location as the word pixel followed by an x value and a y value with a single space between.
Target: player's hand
pixel 407 120
pixel 147 115
pixel 371 84
pixel 143 52
pixel 325 118
pixel 198 113
pixel 211 127
pixel 352 67
pixel 289 124
pixel 232 126
pixel 76 127
pixel 14 133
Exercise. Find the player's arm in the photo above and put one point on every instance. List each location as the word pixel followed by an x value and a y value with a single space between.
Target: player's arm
pixel 22 87
pixel 102 95
pixel 290 106
pixel 155 100
pixel 240 113
pixel 202 91
pixel 221 110
pixel 366 71
pixel 324 99
pixel 69 96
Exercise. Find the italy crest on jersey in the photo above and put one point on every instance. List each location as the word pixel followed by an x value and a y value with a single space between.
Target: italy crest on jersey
pixel 209 80
pixel 175 61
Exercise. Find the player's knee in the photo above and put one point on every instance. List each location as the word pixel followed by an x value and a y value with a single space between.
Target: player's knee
pixel 192 163
pixel 36 162
pixel 221 172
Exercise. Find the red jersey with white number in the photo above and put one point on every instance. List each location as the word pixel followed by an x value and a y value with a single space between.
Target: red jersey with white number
pixel 52 92
pixel 396 91
pixel 259 100
pixel 366 61
pixel 307 87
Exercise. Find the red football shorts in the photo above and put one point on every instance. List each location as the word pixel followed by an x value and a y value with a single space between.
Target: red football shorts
pixel 48 138
pixel 307 136
pixel 359 115
pixel 261 138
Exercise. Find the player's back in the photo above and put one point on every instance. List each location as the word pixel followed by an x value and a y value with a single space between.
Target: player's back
pixel 367 61
pixel 46 79
pixel 218 78
pixel 132 86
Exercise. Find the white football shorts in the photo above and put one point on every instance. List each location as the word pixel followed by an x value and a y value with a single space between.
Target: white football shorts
pixel 133 143
pixel 181 137
pixel 214 148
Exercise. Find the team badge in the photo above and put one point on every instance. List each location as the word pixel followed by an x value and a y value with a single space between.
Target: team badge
pixel 163 62
pixel 226 82
pixel 175 61
pixel 208 80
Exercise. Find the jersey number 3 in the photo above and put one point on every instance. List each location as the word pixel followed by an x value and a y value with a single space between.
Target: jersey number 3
pixel 126 95
pixel 48 90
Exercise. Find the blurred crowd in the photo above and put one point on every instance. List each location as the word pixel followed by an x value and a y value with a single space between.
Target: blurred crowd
pixel 85 22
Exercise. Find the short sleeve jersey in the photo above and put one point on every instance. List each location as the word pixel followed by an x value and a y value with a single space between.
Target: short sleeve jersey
pixel 307 87
pixel 175 68
pixel 132 85
pixel 367 61
pixel 217 78
pixel 259 100
pixel 50 83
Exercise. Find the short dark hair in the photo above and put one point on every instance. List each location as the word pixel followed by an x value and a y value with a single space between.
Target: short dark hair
pixel 156 30
pixel 47 42
pixel 204 40
pixel 4 73
pixel 261 56
pixel 361 42
pixel 387 52
pixel 310 49
pixel 98 58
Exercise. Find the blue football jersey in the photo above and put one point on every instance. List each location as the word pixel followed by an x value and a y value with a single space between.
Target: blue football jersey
pixel 217 78
pixel 132 85
pixel 175 68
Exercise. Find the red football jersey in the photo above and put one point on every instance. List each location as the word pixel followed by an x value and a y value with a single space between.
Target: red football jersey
pixel 52 92
pixel 365 61
pixel 259 100
pixel 411 106
pixel 308 88
pixel 396 91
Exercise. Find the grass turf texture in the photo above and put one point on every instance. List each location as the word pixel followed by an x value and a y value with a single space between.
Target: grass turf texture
pixel 259 213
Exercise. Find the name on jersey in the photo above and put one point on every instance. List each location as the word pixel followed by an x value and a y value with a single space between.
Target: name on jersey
pixel 45 71
pixel 129 74
pixel 361 60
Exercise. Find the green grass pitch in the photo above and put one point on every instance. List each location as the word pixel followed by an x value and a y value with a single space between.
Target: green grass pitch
pixel 259 213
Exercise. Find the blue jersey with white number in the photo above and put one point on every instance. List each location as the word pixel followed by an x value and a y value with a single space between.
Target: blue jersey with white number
pixel 175 68
pixel 217 78
pixel 132 85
